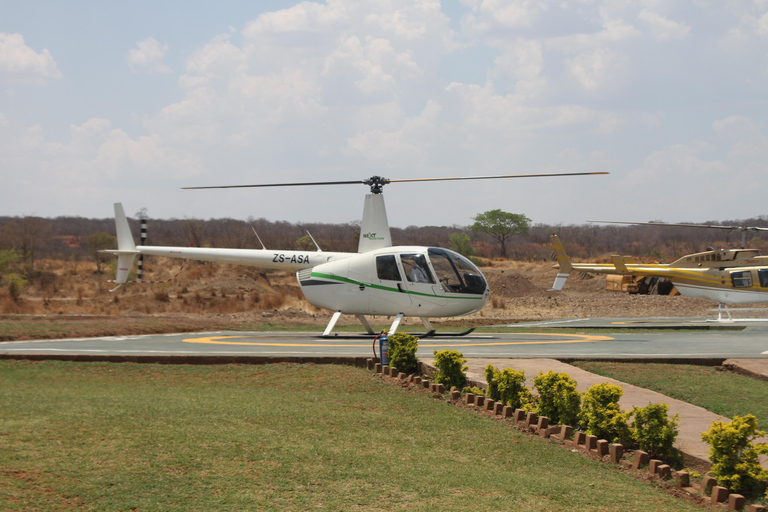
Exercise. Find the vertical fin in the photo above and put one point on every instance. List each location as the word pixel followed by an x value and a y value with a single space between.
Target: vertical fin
pixel 124 236
pixel 125 245
pixel 563 263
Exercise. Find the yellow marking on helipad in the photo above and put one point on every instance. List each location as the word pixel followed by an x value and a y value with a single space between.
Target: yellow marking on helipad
pixel 226 340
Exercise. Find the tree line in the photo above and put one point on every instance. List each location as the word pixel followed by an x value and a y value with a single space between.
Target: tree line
pixel 31 238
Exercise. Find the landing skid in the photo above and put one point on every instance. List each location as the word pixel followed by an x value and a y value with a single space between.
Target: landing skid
pixel 369 333
pixel 420 335
pixel 724 307
pixel 433 334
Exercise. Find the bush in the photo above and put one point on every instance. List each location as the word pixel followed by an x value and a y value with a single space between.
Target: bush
pixel 558 398
pixel 508 387
pixel 735 457
pixel 15 284
pixel 601 415
pixel 451 368
pixel 402 352
pixel 474 390
pixel 655 432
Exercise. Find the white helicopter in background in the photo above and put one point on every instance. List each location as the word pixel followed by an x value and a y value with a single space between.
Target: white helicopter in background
pixel 725 276
pixel 404 281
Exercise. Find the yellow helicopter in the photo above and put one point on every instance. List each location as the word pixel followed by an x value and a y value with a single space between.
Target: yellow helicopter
pixel 726 276
pixel 379 279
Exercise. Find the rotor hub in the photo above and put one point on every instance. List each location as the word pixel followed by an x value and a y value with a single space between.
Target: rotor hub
pixel 376 183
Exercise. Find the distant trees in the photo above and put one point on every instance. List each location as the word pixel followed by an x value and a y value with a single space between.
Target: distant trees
pixel 461 243
pixel 501 226
pixel 193 231
pixel 34 238
pixel 305 243
pixel 14 280
pixel 97 242
pixel 27 235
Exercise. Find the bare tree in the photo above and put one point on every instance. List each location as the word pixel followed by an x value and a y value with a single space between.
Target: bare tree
pixel 193 230
pixel 27 234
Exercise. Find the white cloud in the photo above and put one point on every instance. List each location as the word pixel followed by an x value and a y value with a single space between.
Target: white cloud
pixel 490 15
pixel 596 69
pixel 522 60
pixel 344 89
pixel 663 28
pixel 21 64
pixel 99 163
pixel 303 17
pixel 713 179
pixel 612 30
pixel 216 60
pixel 405 145
pixel 762 25
pixel 148 56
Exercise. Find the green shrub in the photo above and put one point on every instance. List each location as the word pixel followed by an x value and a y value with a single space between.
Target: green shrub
pixel 8 260
pixel 601 415
pixel 508 387
pixel 451 368
pixel 558 398
pixel 402 352
pixel 474 390
pixel 490 377
pixel 15 284
pixel 735 457
pixel 655 432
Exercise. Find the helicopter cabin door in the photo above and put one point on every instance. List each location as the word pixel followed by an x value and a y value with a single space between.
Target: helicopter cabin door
pixel 389 287
pixel 420 281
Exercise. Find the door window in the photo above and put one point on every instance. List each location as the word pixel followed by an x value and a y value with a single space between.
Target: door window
pixel 386 268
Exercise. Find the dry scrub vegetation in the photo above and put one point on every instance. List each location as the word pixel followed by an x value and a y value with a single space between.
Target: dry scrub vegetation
pixel 49 255
pixel 236 294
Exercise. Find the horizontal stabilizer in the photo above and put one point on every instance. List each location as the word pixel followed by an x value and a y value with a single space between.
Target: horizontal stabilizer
pixel 618 262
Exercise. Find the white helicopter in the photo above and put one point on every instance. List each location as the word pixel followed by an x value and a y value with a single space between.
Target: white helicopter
pixel 404 281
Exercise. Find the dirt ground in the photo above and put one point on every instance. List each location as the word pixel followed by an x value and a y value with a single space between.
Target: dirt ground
pixel 524 290
pixel 216 296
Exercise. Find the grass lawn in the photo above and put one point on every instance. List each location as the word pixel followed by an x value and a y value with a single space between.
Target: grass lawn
pixel 717 391
pixel 100 436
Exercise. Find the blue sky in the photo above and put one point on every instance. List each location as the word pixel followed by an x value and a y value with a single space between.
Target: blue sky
pixel 130 101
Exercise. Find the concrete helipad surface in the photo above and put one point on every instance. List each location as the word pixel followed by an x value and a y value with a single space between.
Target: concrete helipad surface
pixel 612 340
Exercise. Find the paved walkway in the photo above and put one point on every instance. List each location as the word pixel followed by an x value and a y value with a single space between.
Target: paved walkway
pixel 693 419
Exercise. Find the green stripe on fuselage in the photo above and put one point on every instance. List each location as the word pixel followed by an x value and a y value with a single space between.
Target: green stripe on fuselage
pixel 394 290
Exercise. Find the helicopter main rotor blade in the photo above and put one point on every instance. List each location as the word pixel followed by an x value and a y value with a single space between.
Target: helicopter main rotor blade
pixel 738 228
pixel 379 181
pixel 500 176
pixel 356 182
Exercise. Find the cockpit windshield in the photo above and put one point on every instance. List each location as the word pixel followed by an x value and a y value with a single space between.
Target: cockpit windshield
pixel 456 273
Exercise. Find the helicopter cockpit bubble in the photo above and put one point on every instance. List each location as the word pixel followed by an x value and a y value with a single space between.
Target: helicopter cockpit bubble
pixel 456 273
